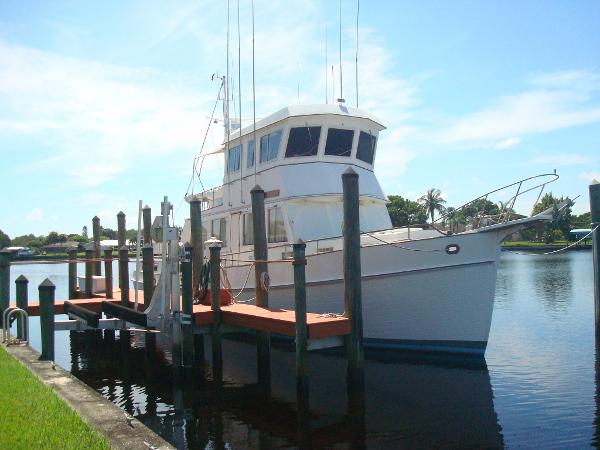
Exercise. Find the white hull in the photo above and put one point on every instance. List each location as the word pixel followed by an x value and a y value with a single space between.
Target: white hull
pixel 427 301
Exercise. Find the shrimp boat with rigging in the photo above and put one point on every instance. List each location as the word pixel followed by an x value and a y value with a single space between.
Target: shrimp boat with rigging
pixel 423 289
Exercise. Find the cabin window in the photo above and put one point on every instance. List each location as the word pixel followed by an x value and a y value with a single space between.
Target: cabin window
pixel 276 231
pixel 234 159
pixel 339 142
pixel 269 146
pixel 248 230
pixel 366 147
pixel 250 154
pixel 219 230
pixel 303 141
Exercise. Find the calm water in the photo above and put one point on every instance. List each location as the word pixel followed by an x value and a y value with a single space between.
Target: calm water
pixel 537 386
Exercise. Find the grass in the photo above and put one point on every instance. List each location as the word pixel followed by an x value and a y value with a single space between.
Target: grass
pixel 533 243
pixel 34 417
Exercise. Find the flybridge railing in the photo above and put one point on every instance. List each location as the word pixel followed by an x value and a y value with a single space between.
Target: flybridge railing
pixel 506 212
pixel 212 198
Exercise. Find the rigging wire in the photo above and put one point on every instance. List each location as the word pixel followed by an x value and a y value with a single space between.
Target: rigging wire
pixel 255 156
pixel 356 57
pixel 240 102
pixel 341 79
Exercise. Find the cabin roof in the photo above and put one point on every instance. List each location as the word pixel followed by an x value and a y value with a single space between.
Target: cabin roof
pixel 299 111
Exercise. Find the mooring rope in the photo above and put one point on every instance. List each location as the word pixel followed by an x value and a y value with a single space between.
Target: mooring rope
pixel 553 252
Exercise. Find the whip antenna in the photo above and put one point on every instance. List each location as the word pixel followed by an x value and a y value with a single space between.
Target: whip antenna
pixel 356 59
pixel 341 99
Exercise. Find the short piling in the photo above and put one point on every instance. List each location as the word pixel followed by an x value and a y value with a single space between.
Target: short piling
pixel 261 275
pixel 89 272
pixel 148 273
pixel 595 213
pixel 108 272
pixel 96 234
pixel 301 327
pixel 352 276
pixel 215 303
pixel 21 285
pixel 124 274
pixel 72 273
pixel 46 295
pixel 4 282
pixel 196 243
pixel 187 311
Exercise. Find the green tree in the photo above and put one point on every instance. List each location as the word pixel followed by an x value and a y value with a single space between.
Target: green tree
pixel 480 207
pixel 108 233
pixel 55 238
pixel 432 201
pixel 84 232
pixel 582 221
pixel 562 223
pixel 454 219
pixel 4 239
pixel 23 241
pixel 405 212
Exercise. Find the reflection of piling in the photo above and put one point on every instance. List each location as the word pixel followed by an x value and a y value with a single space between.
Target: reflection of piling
pixel 46 295
pixel 261 276
pixel 89 272
pixel 595 213
pixel 4 281
pixel 124 274
pixel 22 300
pixel 186 316
pixel 215 303
pixel 96 234
pixel 108 272
pixel 301 327
pixel 72 273
pixel 352 276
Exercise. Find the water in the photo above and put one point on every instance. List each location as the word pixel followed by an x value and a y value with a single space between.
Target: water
pixel 537 386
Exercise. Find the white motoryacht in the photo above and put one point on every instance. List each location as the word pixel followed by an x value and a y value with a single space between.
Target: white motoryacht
pixel 422 289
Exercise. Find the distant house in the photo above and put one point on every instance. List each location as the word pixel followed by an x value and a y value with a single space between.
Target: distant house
pixel 60 247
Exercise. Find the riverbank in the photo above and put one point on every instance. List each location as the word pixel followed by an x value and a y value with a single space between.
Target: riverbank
pixel 541 246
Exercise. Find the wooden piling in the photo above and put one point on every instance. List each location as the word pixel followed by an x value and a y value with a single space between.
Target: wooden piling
pixel 121 232
pixel 124 274
pixel 89 272
pixel 148 273
pixel 352 276
pixel 4 282
pixel 21 285
pixel 46 295
pixel 301 327
pixel 108 272
pixel 187 310
pixel 215 303
pixel 595 213
pixel 147 221
pixel 72 273
pixel 96 234
pixel 196 243
pixel 261 273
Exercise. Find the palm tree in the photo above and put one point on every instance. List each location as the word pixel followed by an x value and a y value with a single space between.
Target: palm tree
pixel 432 201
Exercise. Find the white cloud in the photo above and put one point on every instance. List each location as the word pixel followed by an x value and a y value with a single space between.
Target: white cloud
pixel 508 142
pixel 589 177
pixel 34 215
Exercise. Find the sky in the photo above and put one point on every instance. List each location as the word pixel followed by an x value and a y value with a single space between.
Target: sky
pixel 103 104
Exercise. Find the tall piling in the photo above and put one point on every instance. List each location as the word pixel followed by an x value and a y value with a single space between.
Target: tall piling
pixel 72 273
pixel 147 224
pixel 196 243
pixel 46 294
pixel 21 285
pixel 301 327
pixel 215 304
pixel 186 313
pixel 595 213
pixel 89 272
pixel 96 234
pixel 121 232
pixel 4 282
pixel 108 272
pixel 261 276
pixel 148 273
pixel 352 276
pixel 124 274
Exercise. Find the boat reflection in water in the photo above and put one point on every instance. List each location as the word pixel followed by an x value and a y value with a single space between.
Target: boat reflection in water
pixel 406 402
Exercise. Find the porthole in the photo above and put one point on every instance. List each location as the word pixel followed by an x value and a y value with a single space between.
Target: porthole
pixel 452 249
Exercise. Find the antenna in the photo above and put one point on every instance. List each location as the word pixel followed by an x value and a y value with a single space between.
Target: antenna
pixel 356 59
pixel 326 65
pixel 240 104
pixel 254 102
pixel 341 99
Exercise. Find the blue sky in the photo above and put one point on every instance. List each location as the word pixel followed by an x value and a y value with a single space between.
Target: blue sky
pixel 106 103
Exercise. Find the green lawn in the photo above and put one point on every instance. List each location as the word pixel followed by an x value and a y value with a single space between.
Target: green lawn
pixel 33 417
pixel 533 243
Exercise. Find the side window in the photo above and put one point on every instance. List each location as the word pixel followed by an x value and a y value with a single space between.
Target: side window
pixel 366 147
pixel 219 230
pixel 234 159
pixel 269 146
pixel 339 142
pixel 250 154
pixel 276 231
pixel 303 141
pixel 248 230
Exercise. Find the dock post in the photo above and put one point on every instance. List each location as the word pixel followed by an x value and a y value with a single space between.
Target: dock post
pixel 89 272
pixel 187 313
pixel 4 282
pixel 595 213
pixel 121 232
pixel 196 243
pixel 72 273
pixel 148 273
pixel 147 225
pixel 215 304
pixel 261 274
pixel 46 294
pixel 22 301
pixel 352 277
pixel 96 234
pixel 124 274
pixel 108 272
pixel 301 327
